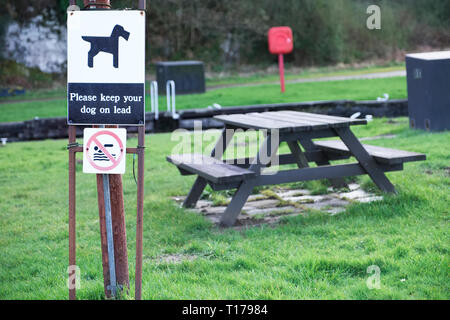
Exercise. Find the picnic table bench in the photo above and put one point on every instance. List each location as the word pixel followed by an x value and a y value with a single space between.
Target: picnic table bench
pixel 297 129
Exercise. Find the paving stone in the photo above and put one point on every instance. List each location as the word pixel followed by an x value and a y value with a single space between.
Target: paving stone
pixel 292 193
pixel 353 186
pixel 370 199
pixel 355 194
pixel 213 210
pixel 331 202
pixel 214 219
pixel 255 197
pixel 335 210
pixel 262 203
pixel 287 209
pixel 261 210
pixel 179 198
pixel 203 203
pixel 305 199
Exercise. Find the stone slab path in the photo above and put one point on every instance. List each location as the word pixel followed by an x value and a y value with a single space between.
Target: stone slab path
pixel 269 206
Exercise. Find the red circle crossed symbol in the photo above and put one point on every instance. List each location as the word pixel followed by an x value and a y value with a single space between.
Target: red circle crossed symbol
pixel 115 162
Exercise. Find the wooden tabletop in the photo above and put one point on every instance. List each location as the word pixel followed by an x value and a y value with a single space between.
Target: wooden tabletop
pixel 287 121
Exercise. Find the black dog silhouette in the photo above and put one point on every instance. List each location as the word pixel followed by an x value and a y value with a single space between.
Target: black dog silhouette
pixel 106 44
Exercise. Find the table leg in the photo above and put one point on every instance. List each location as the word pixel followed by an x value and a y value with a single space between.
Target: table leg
pixel 365 160
pixel 310 146
pixel 241 195
pixel 195 193
pixel 236 204
pixel 200 183
pixel 302 162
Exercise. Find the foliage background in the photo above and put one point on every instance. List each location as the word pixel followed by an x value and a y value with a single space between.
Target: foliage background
pixel 227 34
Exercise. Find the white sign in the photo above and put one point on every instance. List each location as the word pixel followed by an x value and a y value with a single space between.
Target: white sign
pixel 104 150
pixel 106 67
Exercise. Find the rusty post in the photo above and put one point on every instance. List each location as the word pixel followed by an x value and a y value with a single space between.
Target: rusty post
pixel 72 225
pixel 140 203
pixel 119 230
pixel 97 4
pixel 117 209
pixel 140 213
pixel 141 5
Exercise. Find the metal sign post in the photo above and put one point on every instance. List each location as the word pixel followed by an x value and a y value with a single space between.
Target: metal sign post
pixel 109 187
pixel 154 98
pixel 109 235
pixel 281 69
pixel 140 212
pixel 72 213
pixel 140 203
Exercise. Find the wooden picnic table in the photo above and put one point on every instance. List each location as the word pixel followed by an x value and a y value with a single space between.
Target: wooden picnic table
pixel 297 129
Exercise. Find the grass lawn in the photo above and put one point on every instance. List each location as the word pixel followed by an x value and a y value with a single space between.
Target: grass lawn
pixel 232 78
pixel 261 77
pixel 313 256
pixel 266 93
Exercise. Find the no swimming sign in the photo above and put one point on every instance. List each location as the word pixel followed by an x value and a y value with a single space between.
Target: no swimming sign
pixel 106 67
pixel 104 150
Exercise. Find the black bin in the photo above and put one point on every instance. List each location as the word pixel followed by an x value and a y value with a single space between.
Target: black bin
pixel 189 76
pixel 428 78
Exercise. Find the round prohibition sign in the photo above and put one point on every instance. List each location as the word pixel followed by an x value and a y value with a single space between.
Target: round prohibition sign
pixel 115 162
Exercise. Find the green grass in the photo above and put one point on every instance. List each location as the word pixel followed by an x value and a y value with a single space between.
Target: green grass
pixel 236 78
pixel 317 256
pixel 307 73
pixel 349 89
pixel 37 94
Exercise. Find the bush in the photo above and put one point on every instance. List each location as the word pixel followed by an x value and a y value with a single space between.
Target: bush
pixel 234 32
pixel 13 74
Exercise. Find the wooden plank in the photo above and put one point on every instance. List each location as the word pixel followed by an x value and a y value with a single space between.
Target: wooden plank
pixel 314 121
pixel 317 119
pixel 313 134
pixel 337 118
pixel 209 168
pixel 288 158
pixel 323 117
pixel 322 172
pixel 381 154
pixel 249 122
pixel 287 121
pixel 296 125
pixel 306 174
pixel 314 124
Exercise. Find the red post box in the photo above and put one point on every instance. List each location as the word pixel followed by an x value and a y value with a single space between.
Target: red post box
pixel 280 42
